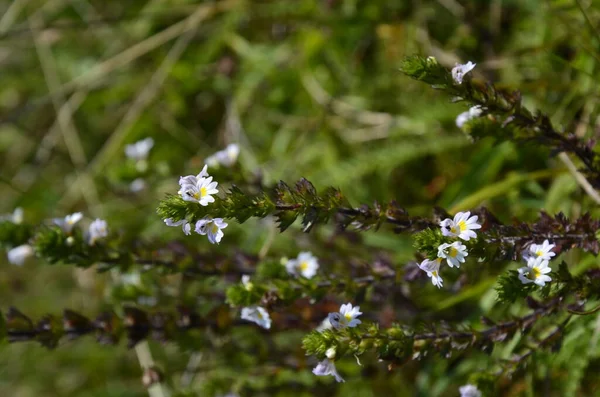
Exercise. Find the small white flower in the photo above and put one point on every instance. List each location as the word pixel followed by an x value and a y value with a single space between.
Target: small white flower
pixel 469 391
pixel 212 228
pixel 347 317
pixel 454 253
pixel 459 71
pixel 139 150
pixel 325 324
pixel 535 272
pixel 461 226
pixel 330 353
pixel 98 229
pixel 201 191
pixel 470 114
pixel 305 264
pixel 257 315
pixel 226 157
pixel 185 225
pixel 325 368
pixel 246 282
pixel 16 217
pixel 68 222
pixel 18 255
pixel 543 251
pixel 137 185
pixel 432 268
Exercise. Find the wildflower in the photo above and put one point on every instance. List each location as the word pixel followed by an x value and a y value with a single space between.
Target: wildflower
pixel 330 353
pixel 98 229
pixel 432 268
pixel 305 264
pixel 18 255
pixel 247 283
pixel 461 226
pixel 535 272
pixel 454 253
pixel 226 157
pixel 137 185
pixel 198 189
pixel 327 367
pixel 185 225
pixel 325 324
pixel 16 217
pixel 68 222
pixel 459 71
pixel 543 251
pixel 139 150
pixel 211 228
pixel 347 317
pixel 469 391
pixel 257 315
pixel 470 114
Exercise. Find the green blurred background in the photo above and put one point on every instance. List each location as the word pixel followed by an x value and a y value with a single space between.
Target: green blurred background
pixel 307 88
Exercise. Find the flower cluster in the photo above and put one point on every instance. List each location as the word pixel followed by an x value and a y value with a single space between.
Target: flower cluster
pixel 256 314
pixel 226 157
pixel 537 257
pixel 347 317
pixel 200 189
pixel 305 265
pixel 463 226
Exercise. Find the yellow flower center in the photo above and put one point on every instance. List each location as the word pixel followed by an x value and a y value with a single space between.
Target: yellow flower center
pixel 535 272
pixel 202 191
pixel 303 266
pixel 259 315
pixel 462 225
pixel 348 316
pixel 453 252
pixel 539 253
pixel 435 273
pixel 214 228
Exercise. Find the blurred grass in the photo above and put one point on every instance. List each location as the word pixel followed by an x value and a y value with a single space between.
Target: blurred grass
pixel 309 88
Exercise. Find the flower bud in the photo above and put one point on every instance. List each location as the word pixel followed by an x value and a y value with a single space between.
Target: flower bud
pixel 330 353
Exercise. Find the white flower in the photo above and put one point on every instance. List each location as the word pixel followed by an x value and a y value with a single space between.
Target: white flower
pixel 211 228
pixel 305 264
pixel 68 222
pixel 18 255
pixel 454 253
pixel 432 268
pixel 198 189
pixel 137 185
pixel 461 226
pixel 469 391
pixel 257 315
pixel 347 317
pixel 226 157
pixel 459 71
pixel 185 225
pixel 470 114
pixel 325 324
pixel 543 251
pixel 98 229
pixel 325 368
pixel 139 150
pixel 16 217
pixel 330 353
pixel 535 272
pixel 246 282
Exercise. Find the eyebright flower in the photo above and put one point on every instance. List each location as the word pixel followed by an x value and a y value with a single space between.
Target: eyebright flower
pixel 257 315
pixel 198 189
pixel 432 268
pixel 461 226
pixel 16 217
pixel 185 225
pixel 459 71
pixel 325 368
pixel 305 264
pixel 470 114
pixel 246 282
pixel 535 272
pixel 139 150
pixel 18 255
pixel 98 229
pixel 211 228
pixel 454 253
pixel 469 391
pixel 226 157
pixel 347 317
pixel 68 222
pixel 325 324
pixel 543 251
